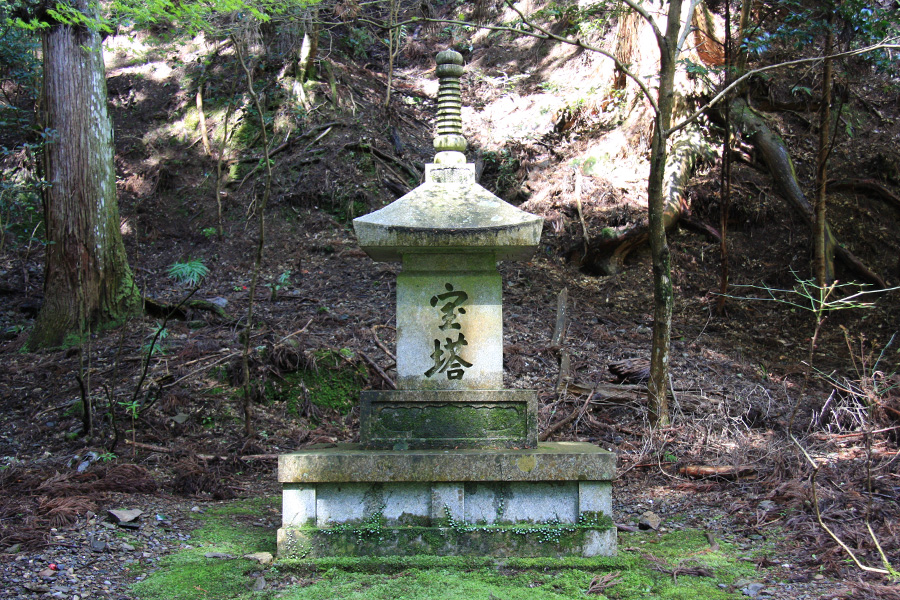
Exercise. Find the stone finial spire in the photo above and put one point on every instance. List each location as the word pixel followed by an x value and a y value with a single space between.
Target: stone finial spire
pixel 449 141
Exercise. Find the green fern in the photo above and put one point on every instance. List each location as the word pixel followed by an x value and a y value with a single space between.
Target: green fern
pixel 190 272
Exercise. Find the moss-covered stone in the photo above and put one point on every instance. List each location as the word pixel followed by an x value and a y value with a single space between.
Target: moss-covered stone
pixel 531 540
pixel 558 461
pixel 422 419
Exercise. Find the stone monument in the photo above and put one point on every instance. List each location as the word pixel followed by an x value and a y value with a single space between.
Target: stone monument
pixel 448 463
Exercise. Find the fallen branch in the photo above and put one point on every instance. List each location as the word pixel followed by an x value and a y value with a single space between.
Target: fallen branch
pixel 716 472
pixel 560 424
pixel 164 450
pixel 158 309
pixel 600 583
pixel 380 344
pixel 381 373
pixel 366 147
pixel 825 437
pixel 696 571
pixel 291 140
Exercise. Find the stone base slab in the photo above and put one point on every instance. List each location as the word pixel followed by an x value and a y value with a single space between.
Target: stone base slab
pixel 347 463
pixel 552 500
pixel 423 419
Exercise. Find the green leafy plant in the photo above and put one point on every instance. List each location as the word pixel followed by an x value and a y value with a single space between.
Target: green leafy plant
pixel 154 347
pixel 820 302
pixel 504 167
pixel 360 40
pixel 132 409
pixel 190 272
pixel 208 232
pixel 283 281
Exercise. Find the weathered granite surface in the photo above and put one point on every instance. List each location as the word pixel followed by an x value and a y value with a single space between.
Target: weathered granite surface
pixel 449 212
pixel 557 461
pixel 554 500
pixel 423 419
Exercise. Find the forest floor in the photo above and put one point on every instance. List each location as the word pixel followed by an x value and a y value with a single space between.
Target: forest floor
pixel 744 400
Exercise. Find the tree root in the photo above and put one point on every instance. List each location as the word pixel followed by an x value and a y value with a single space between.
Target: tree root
pixel 777 159
pixel 868 187
pixel 606 256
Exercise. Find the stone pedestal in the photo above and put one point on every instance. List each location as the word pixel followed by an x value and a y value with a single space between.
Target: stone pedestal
pixel 448 463
pixel 554 500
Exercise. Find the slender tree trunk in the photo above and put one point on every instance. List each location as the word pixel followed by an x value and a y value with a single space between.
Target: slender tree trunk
pixel 821 260
pixel 260 246
pixel 725 200
pixel 87 281
pixel 393 48
pixel 657 386
pixel 743 31
pixel 204 135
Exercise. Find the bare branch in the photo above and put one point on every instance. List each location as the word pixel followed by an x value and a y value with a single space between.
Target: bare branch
pixel 815 502
pixel 687 26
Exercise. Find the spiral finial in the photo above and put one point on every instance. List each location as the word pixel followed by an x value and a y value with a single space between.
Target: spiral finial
pixel 449 141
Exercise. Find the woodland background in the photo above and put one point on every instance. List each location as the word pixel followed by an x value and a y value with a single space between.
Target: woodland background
pixel 248 136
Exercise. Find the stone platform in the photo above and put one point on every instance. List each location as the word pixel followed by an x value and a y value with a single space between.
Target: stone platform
pixel 553 500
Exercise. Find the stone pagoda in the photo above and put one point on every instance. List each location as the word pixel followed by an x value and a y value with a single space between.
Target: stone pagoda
pixel 448 463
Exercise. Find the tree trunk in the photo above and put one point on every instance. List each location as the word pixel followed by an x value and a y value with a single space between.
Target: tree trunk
pixel 821 259
pixel 657 386
pixel 777 159
pixel 87 281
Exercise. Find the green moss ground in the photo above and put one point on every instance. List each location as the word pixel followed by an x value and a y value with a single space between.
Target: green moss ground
pixel 189 575
pixel 334 383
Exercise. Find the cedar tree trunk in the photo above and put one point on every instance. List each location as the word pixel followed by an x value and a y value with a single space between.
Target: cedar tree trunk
pixel 87 281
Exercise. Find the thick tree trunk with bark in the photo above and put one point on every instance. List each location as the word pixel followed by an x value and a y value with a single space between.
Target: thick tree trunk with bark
pixel 87 281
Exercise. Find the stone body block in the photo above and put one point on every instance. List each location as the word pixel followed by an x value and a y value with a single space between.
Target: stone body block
pixel 298 505
pixel 447 500
pixel 405 419
pixel 521 502
pixel 398 503
pixel 450 325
